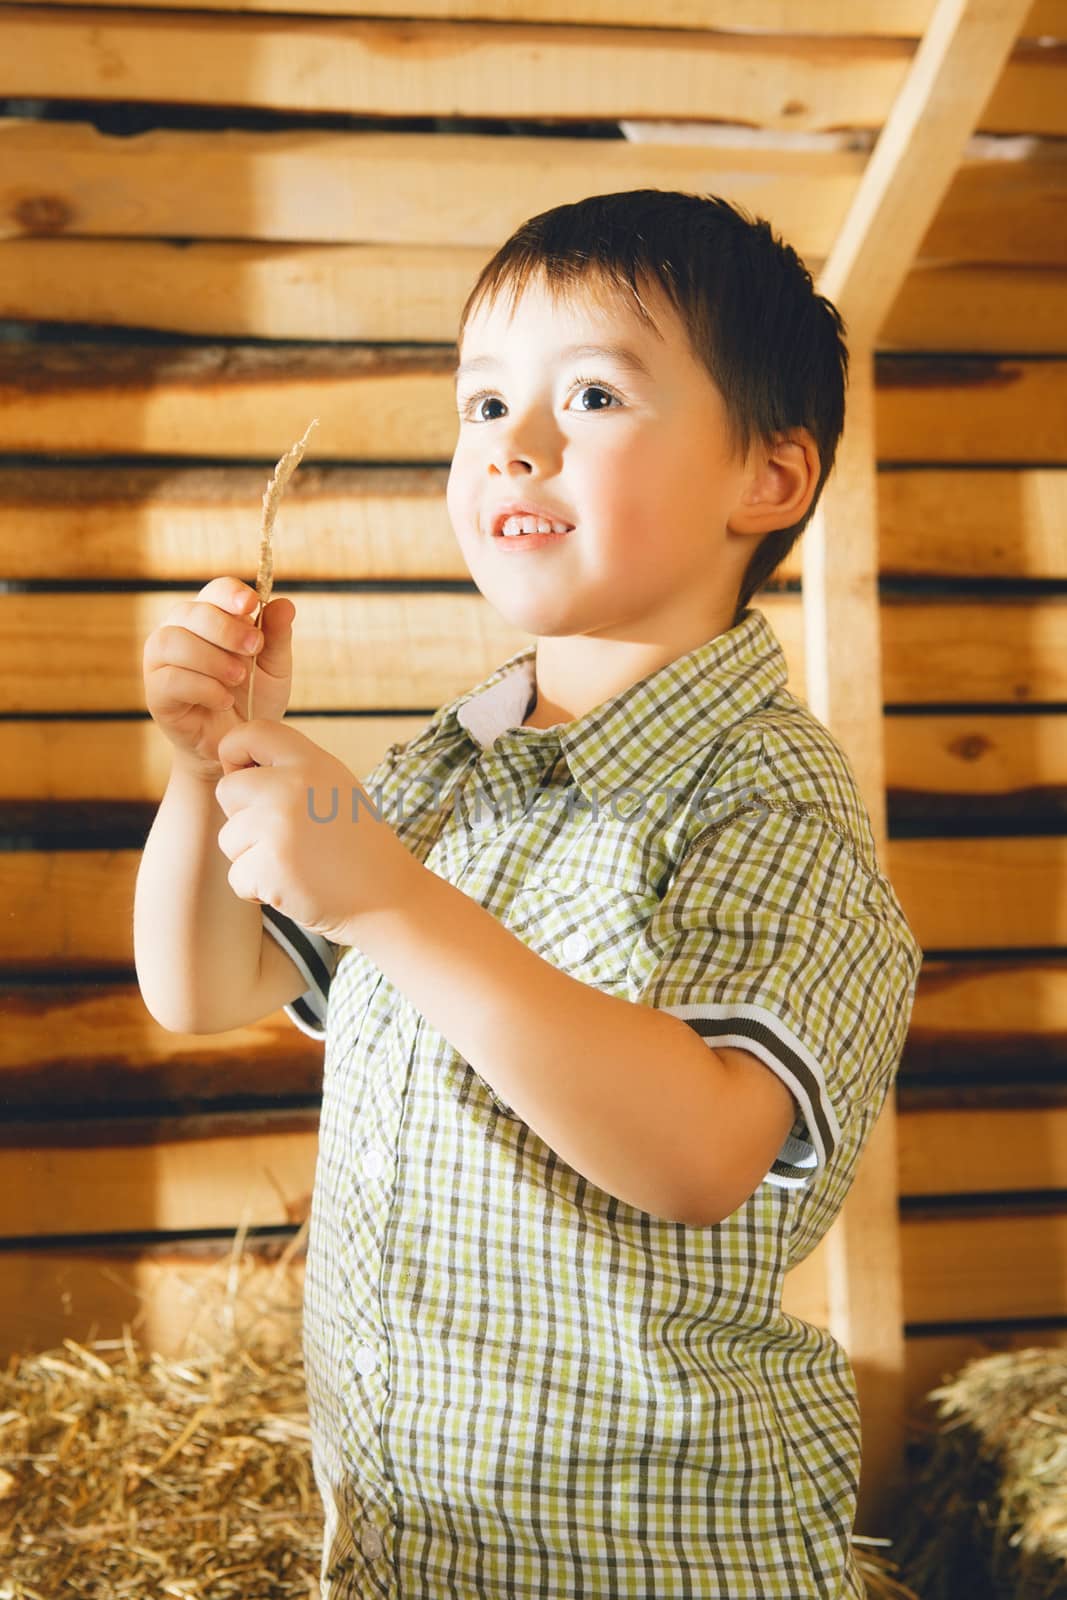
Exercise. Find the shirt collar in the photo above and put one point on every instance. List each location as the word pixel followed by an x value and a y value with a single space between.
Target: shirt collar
pixel 647 729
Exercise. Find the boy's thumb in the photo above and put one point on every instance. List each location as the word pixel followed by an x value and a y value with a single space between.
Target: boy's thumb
pixel 276 656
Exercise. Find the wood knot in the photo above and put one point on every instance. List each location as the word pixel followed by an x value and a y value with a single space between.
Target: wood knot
pixel 43 213
pixel 794 108
pixel 970 746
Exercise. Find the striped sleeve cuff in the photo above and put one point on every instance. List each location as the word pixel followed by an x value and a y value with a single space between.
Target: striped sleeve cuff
pixel 316 958
pixel 748 1027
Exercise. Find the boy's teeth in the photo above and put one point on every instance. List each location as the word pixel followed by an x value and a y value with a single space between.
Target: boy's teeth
pixel 513 526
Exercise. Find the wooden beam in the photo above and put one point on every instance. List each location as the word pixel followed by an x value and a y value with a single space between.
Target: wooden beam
pixel 952 74
pixel 75 905
pixel 903 19
pixel 787 82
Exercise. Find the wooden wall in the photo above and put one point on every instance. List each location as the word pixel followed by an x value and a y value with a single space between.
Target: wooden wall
pixel 215 225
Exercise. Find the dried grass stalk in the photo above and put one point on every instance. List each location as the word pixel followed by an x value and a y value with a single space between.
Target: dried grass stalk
pixel 272 496
pixel 126 1474
pixel 988 1513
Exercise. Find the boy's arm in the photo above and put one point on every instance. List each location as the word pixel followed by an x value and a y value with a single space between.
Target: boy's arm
pixel 203 962
pixel 629 1096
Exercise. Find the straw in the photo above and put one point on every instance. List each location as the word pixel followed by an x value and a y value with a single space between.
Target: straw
pixel 125 1473
pixel 272 496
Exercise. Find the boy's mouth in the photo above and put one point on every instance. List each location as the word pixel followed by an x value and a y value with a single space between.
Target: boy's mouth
pixel 519 522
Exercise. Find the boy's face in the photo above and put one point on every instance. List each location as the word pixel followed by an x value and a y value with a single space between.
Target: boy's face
pixel 638 462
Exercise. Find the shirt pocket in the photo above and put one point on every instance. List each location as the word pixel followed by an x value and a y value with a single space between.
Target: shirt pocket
pixel 586 926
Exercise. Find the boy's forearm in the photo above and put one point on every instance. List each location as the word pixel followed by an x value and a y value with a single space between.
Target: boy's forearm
pixel 628 1096
pixel 197 947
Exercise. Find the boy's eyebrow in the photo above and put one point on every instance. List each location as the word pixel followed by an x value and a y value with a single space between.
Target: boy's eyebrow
pixel 621 354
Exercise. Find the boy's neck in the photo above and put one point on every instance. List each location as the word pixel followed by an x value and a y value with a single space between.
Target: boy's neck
pixel 576 673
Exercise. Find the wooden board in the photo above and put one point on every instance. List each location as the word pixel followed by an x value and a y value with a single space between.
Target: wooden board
pixel 392 188
pixel 957 1270
pixel 410 292
pixel 67 520
pixel 88 1045
pixel 405 650
pixel 984 1266
pixel 432 189
pixel 902 19
pixel 397 404
pixel 957 894
pixel 94 1047
pixel 200 1172
pixel 475 69
pixel 928 757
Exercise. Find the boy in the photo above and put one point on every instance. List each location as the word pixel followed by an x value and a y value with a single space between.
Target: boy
pixel 611 985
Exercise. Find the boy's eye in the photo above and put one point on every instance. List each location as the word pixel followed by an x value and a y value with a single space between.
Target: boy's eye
pixel 580 385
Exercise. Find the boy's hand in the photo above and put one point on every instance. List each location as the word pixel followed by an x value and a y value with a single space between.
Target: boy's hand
pixel 197 665
pixel 323 874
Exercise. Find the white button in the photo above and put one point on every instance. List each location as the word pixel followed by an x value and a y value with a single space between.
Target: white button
pixel 365 1360
pixel 373 1162
pixel 575 946
pixel 370 1541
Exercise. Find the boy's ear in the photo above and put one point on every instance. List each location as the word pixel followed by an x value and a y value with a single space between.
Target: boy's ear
pixel 779 485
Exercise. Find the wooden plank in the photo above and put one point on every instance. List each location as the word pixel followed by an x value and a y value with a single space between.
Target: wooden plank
pixel 968 409
pixel 974 523
pixel 73 521
pixel 475 69
pixel 984 1266
pixel 168 1292
pixel 470 69
pixel 944 306
pixel 434 189
pixel 903 19
pixel 958 894
pixel 171 1175
pixel 386 651
pixel 975 755
pixel 389 188
pixel 971 1150
pixel 198 1172
pixel 170 1288
pixel 397 404
pixel 406 650
pixel 958 64
pixel 373 404
pixel 1025 1000
pixel 987 196
pixel 270 291
pixel 128 761
pixel 406 292
pixel 183 523
pixel 974 894
pixel 972 650
pixel 94 1045
pixel 958 1269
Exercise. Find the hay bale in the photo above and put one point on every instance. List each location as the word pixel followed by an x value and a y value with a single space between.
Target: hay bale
pixel 988 1514
pixel 125 1474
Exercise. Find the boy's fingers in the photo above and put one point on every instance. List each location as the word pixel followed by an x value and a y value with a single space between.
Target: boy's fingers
pixel 276 656
pixel 230 594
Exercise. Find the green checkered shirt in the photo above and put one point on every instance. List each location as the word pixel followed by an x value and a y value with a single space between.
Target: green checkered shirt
pixel 521 1387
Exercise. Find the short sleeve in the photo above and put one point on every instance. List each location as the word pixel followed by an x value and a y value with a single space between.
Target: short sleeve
pixel 315 957
pixel 777 937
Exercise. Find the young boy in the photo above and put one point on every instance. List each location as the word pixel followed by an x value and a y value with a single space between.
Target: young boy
pixel 611 986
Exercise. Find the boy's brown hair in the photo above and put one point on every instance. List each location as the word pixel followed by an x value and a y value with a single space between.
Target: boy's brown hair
pixel 773 346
